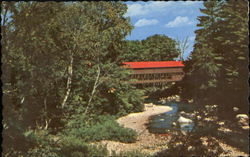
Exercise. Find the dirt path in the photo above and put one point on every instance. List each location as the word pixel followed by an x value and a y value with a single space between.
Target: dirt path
pixel 146 142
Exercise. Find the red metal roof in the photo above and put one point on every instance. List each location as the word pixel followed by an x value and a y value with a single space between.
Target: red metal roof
pixel 154 64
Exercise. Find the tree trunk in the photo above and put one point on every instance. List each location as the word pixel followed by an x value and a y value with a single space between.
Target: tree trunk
pixel 94 88
pixel 70 74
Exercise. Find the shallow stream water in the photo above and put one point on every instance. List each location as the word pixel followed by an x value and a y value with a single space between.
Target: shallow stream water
pixel 163 123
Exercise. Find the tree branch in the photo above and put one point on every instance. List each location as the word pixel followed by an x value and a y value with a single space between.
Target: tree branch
pixel 96 84
pixel 70 74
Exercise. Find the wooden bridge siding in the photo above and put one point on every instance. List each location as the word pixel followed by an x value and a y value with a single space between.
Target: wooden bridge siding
pixel 159 76
pixel 156 70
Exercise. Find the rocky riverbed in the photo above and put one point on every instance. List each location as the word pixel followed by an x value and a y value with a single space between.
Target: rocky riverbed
pixel 148 142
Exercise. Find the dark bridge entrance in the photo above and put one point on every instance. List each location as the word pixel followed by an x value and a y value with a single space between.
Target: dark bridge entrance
pixel 155 73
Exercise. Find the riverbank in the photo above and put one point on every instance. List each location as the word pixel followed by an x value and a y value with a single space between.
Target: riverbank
pixel 146 142
pixel 137 121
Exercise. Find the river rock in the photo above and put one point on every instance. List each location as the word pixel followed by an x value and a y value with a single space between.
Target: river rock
pixel 243 120
pixel 188 115
pixel 221 123
pixel 182 113
pixel 190 101
pixel 242 116
pixel 177 99
pixel 245 127
pixel 149 105
pixel 163 101
pixel 198 117
pixel 235 109
pixel 184 120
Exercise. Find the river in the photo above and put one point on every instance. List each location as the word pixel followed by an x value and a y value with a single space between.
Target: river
pixel 163 123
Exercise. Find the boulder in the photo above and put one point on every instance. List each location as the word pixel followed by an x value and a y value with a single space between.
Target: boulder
pixel 174 124
pixel 190 101
pixel 242 120
pixel 235 109
pixel 182 113
pixel 163 102
pixel 221 123
pixel 177 99
pixel 184 120
pixel 242 116
pixel 149 105
pixel 245 127
pixel 188 115
pixel 198 117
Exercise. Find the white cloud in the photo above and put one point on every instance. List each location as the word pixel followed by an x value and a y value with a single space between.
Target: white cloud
pixel 146 8
pixel 191 2
pixel 178 22
pixel 145 22
pixel 152 7
pixel 135 10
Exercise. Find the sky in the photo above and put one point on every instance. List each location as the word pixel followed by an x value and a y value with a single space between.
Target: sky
pixel 175 19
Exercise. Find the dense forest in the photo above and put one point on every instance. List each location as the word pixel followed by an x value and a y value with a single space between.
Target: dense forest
pixel 217 71
pixel 63 84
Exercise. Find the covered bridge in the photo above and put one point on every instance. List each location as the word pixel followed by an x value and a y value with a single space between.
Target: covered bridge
pixel 156 72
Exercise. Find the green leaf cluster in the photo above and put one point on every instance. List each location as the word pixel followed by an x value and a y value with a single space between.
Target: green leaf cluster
pixel 217 70
pixel 153 48
pixel 63 51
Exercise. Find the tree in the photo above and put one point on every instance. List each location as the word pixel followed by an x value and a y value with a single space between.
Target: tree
pixel 154 48
pixel 134 51
pixel 182 47
pixel 62 59
pixel 218 69
pixel 160 48
pixel 201 72
pixel 233 39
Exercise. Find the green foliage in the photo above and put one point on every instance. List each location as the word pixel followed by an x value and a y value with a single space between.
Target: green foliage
pixel 160 48
pixel 96 128
pixel 74 147
pixel 45 145
pixel 51 53
pixel 217 70
pixel 117 96
pixel 154 48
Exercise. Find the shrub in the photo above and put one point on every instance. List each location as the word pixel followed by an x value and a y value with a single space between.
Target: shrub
pixel 44 145
pixel 103 127
pixel 72 146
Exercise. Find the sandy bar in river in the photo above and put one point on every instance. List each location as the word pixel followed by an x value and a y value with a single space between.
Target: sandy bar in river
pixel 137 121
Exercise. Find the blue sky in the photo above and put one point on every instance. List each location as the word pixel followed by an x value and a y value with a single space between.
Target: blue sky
pixel 175 19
